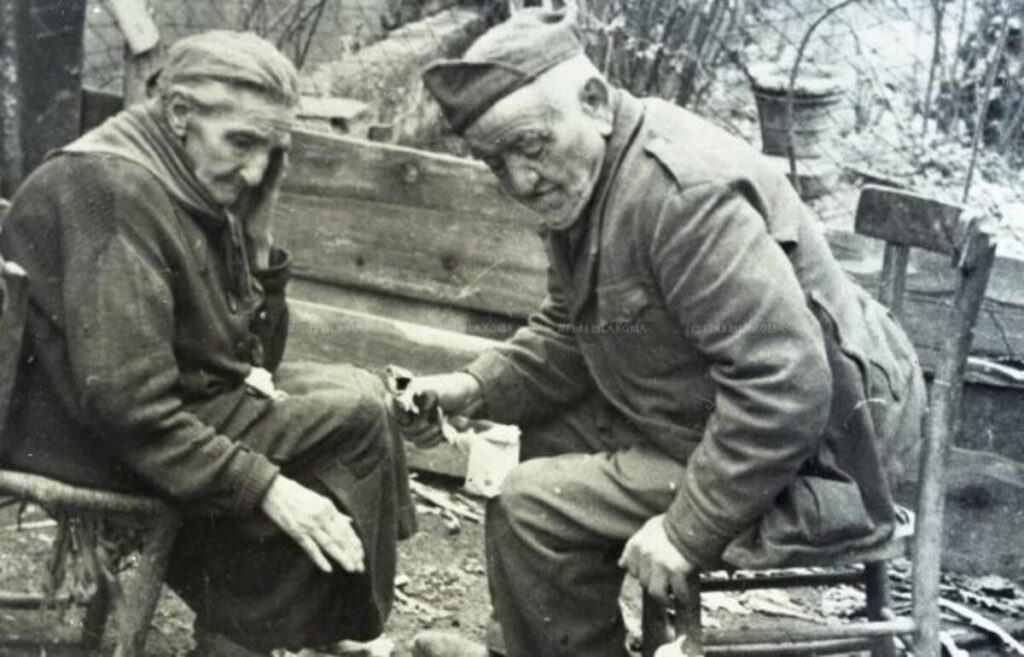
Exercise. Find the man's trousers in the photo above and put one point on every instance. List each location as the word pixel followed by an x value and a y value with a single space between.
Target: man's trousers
pixel 555 534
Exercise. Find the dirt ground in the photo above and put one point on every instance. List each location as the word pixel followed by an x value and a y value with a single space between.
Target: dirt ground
pixel 441 584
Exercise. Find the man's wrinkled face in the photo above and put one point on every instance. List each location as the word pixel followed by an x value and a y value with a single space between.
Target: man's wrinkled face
pixel 231 147
pixel 545 148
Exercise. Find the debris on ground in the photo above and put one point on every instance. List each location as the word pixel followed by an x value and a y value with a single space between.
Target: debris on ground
pixel 454 504
pixel 985 625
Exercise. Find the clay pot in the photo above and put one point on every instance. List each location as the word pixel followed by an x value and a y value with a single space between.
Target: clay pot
pixel 815 98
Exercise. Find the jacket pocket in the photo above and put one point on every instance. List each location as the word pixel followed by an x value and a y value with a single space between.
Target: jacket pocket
pixel 832 510
pixel 883 377
pixel 633 323
pixel 872 339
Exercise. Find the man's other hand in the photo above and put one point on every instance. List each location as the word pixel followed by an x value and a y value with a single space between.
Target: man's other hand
pixel 456 393
pixel 311 520
pixel 651 558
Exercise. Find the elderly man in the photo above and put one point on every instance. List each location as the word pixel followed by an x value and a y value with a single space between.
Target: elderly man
pixel 157 315
pixel 703 385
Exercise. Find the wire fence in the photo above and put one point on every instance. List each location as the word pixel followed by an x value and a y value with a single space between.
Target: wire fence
pixel 918 85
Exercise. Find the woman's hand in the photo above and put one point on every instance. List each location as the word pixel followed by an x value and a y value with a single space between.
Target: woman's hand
pixel 311 520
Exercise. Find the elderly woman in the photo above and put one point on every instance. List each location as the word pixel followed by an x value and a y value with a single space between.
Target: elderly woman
pixel 157 317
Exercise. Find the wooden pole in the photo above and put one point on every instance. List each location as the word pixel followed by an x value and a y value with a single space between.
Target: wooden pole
pixel 975 263
pixel 11 166
pixel 40 74
pixel 142 52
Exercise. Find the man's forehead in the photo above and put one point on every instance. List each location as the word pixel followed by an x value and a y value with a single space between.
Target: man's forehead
pixel 523 110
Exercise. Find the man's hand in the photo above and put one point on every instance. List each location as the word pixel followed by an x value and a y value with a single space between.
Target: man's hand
pixel 312 520
pixel 457 393
pixel 651 558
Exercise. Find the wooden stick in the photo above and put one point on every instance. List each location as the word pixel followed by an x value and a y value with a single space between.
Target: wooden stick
pixel 143 592
pixel 976 259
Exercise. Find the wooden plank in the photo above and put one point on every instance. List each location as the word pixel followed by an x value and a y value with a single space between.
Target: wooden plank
pixel 347 168
pixel 354 219
pixel 894 278
pixel 98 106
pixel 404 309
pixel 446 257
pixel 327 334
pixel 941 422
pixel 140 32
pixel 896 215
pixel 137 71
pixel 329 241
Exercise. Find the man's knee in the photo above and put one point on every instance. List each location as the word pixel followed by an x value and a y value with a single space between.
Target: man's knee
pixel 529 498
pixel 521 488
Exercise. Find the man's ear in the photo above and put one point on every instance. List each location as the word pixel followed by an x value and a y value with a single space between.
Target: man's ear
pixel 178 110
pixel 595 98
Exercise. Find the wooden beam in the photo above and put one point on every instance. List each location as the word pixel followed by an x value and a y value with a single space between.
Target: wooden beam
pixel 397 223
pixel 346 168
pixel 98 106
pixel 132 16
pixel 448 257
pixel 324 334
pixel 142 52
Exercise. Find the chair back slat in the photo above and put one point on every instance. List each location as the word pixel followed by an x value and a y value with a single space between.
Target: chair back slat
pixel 905 220
pixel 901 217
pixel 894 278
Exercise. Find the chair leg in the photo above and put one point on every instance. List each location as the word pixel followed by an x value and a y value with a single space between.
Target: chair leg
pixel 95 623
pixel 655 628
pixel 143 591
pixel 879 599
pixel 688 617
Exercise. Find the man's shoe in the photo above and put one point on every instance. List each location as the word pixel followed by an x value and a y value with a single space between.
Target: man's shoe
pixel 438 643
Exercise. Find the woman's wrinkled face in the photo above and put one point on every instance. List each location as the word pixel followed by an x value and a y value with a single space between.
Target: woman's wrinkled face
pixel 231 146
pixel 545 148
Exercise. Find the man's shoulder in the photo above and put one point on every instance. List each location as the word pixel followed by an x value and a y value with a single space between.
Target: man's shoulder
pixel 690 149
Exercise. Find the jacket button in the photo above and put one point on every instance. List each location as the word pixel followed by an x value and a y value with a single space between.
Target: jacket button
pixel 232 304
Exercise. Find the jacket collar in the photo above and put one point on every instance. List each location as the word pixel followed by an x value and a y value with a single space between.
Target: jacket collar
pixel 575 249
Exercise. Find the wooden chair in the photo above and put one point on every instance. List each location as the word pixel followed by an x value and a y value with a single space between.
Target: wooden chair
pixel 903 220
pixel 85 509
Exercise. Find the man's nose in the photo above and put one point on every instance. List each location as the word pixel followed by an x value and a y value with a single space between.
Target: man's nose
pixel 254 170
pixel 522 179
